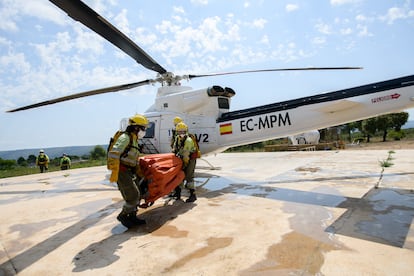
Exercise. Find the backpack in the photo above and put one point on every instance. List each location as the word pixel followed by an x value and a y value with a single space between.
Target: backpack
pixel 114 139
pixel 42 158
pixel 197 152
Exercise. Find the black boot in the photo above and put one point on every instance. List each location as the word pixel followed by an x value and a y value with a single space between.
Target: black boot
pixel 177 193
pixel 192 197
pixel 130 220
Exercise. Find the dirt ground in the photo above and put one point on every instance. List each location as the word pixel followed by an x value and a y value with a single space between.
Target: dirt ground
pixel 387 145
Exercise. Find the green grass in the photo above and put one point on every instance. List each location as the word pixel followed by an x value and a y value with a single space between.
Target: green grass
pixel 257 147
pixel 18 171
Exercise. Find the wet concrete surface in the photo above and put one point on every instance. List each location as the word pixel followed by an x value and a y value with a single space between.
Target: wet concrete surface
pixel 280 213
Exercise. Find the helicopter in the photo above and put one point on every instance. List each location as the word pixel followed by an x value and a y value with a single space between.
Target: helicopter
pixel 207 111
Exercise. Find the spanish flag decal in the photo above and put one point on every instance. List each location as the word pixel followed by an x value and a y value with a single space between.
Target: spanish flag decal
pixel 226 129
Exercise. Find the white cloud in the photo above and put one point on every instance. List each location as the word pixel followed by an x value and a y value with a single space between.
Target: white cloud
pixel 233 33
pixel 7 22
pixel 360 17
pixel 86 40
pixel 7 25
pixel 177 18
pixel 339 20
pixel 179 10
pixel 323 28
pixel 363 30
pixel 5 42
pixel 16 63
pixel 346 31
pixel 395 13
pixel 193 42
pixel 291 7
pixel 200 2
pixel 343 2
pixel 101 6
pixel 145 37
pixel 286 52
pixel 211 34
pixel 121 22
pixel 167 27
pixel 12 11
pixel 259 23
pixel 264 40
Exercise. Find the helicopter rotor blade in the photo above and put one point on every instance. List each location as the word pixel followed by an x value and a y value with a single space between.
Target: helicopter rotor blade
pixel 274 70
pixel 79 11
pixel 85 94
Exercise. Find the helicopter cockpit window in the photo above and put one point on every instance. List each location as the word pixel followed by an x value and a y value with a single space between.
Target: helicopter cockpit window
pixel 223 103
pixel 150 130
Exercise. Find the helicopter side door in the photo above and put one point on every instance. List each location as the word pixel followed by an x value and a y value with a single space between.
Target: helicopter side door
pixel 150 144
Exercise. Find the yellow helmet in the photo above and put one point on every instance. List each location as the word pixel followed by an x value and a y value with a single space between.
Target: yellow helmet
pixel 138 120
pixel 181 127
pixel 177 120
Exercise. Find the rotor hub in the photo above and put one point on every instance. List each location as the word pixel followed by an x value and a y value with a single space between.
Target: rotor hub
pixel 169 79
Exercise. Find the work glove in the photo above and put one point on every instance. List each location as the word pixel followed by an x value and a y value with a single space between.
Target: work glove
pixel 114 176
pixel 113 165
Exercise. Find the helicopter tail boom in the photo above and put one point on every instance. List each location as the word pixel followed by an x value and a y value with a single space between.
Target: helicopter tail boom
pixel 291 117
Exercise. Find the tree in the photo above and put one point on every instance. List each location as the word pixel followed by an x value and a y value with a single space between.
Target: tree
pixel 383 123
pixel 350 127
pixel 7 164
pixel 98 153
pixel 85 157
pixel 31 159
pixel 369 127
pixel 398 120
pixel 22 162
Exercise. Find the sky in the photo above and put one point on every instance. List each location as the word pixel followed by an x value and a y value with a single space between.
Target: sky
pixel 44 54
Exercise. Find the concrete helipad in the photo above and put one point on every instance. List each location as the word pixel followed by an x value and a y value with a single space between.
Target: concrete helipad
pixel 280 213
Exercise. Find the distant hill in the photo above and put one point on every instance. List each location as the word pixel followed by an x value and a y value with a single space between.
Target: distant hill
pixel 51 152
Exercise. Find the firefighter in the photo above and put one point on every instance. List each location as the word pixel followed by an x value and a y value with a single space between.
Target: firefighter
pixel 65 162
pixel 123 160
pixel 185 148
pixel 42 161
pixel 174 131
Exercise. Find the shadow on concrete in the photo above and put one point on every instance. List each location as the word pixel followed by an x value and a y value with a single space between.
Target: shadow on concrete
pixel 35 253
pixel 155 217
pixel 102 253
pixel 382 215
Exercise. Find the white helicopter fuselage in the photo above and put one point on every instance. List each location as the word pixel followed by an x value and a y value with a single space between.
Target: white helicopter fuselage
pixel 208 116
